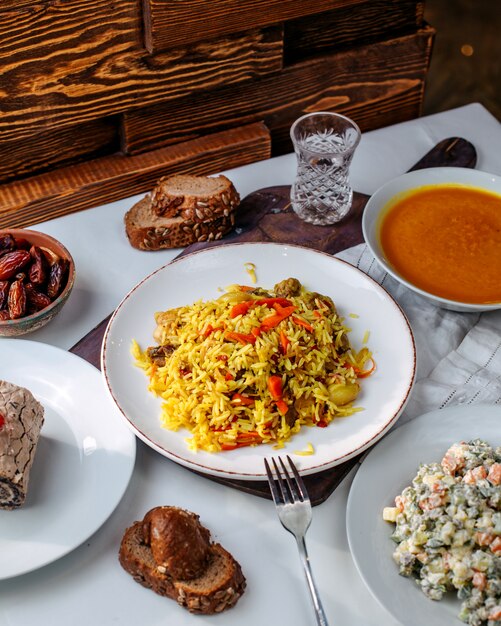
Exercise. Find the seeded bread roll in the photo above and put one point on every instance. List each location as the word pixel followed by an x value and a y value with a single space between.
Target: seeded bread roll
pixel 21 419
pixel 170 542
pixel 147 231
pixel 194 198
pixel 182 209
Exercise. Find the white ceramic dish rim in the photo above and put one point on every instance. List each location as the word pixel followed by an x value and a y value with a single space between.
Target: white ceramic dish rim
pixel 103 425
pixel 257 475
pixel 430 176
pixel 380 478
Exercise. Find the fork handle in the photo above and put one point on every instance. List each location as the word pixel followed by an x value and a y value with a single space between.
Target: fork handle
pixel 315 598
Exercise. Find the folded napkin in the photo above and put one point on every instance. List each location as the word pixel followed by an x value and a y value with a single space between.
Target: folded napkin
pixel 458 354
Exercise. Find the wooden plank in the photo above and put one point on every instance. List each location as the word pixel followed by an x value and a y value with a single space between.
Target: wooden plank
pixel 29 6
pixel 178 22
pixel 346 26
pixel 104 180
pixel 403 103
pixel 377 85
pixel 58 147
pixel 65 63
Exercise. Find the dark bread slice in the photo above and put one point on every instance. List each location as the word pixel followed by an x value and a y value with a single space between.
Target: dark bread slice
pixel 195 198
pixel 147 231
pixel 217 589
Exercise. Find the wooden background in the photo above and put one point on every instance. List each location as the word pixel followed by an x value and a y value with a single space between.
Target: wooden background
pixel 463 68
pixel 99 98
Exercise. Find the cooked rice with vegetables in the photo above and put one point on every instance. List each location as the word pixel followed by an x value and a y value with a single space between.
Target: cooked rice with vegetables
pixel 253 366
pixel 448 530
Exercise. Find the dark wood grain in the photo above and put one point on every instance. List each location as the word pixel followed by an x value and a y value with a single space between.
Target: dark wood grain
pixel 178 22
pixel 77 83
pixel 346 26
pixel 376 85
pixel 65 63
pixel 265 215
pixel 58 147
pixel 451 152
pixel 104 180
pixel 89 347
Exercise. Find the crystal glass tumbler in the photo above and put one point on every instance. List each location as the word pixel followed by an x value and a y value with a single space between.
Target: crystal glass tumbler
pixel 324 144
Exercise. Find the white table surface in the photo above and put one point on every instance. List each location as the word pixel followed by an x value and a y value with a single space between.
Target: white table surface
pixel 88 586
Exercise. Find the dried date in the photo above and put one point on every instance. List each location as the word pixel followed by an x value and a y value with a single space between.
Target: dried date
pixel 22 243
pixel 38 268
pixel 57 277
pixel 4 292
pixel 17 300
pixel 36 300
pixel 7 244
pixel 31 277
pixel 12 262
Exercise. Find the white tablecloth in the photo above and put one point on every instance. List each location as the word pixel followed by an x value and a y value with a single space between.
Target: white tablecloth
pixel 461 364
pixel 458 354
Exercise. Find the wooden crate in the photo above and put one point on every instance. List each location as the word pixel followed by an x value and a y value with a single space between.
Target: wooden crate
pixel 99 98
pixel 376 84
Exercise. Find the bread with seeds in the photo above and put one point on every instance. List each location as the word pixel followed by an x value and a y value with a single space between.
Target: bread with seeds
pixel 195 198
pixel 170 552
pixel 147 231
pixel 182 209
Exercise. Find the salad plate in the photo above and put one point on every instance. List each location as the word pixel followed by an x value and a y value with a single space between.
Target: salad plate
pixel 385 472
pixel 372 315
pixel 83 462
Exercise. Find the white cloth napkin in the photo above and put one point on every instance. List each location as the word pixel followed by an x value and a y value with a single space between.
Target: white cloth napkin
pixel 458 354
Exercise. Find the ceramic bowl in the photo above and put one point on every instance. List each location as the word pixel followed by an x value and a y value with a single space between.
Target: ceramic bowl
pixel 30 323
pixel 384 198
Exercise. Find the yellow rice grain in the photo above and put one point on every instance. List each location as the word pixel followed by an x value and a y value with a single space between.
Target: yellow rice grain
pixel 199 380
pixel 307 452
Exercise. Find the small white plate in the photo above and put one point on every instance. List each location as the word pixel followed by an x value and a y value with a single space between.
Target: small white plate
pixel 386 471
pixel 83 463
pixel 200 275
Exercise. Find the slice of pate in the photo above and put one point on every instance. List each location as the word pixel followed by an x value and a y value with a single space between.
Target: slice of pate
pixel 21 419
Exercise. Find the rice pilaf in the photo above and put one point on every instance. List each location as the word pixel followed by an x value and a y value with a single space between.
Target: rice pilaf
pixel 253 366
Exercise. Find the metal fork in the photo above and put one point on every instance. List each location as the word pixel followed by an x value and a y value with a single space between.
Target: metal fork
pixel 294 511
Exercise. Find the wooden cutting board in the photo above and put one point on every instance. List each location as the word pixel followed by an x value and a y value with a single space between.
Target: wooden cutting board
pixel 266 215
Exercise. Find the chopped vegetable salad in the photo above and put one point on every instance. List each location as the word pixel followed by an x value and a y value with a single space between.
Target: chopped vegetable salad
pixel 448 530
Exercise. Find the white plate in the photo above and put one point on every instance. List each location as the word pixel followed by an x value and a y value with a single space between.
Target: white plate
pixel 385 472
pixel 83 462
pixel 199 275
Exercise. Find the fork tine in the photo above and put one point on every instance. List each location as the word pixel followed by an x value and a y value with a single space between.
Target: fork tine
pixel 293 487
pixel 271 482
pixel 281 485
pixel 299 481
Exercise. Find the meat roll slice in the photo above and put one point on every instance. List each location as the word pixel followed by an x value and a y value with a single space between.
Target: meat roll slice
pixel 21 419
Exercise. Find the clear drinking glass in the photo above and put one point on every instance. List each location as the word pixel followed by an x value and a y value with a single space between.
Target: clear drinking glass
pixel 324 144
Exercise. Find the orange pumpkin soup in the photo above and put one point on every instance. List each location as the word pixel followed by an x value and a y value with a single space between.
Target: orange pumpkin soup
pixel 446 240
